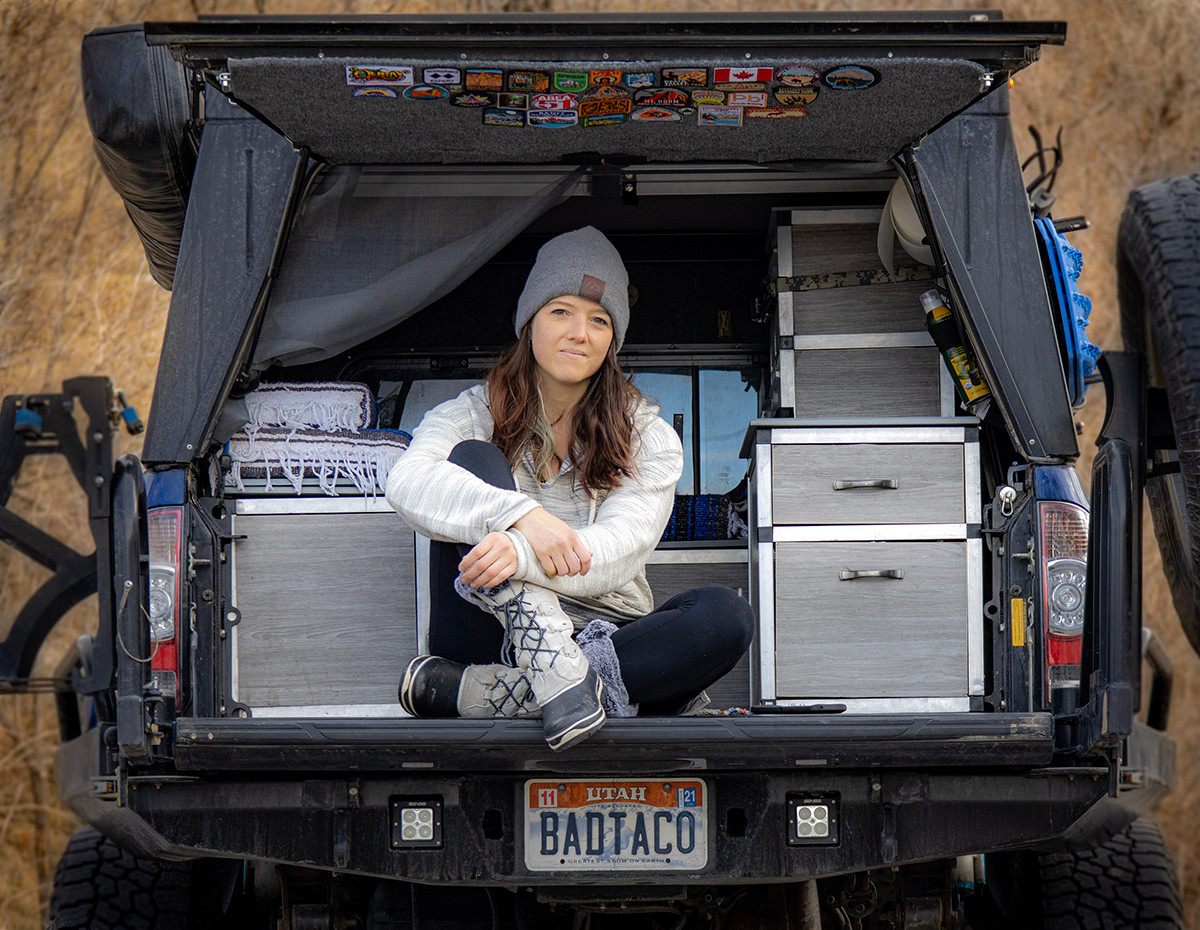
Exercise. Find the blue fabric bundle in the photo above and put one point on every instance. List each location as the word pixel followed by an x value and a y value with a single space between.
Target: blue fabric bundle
pixel 701 517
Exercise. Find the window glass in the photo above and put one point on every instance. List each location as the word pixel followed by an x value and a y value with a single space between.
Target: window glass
pixel 422 396
pixel 672 391
pixel 727 405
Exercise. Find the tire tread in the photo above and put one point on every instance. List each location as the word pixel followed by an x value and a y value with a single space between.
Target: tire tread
pixel 100 886
pixel 1126 883
pixel 1158 272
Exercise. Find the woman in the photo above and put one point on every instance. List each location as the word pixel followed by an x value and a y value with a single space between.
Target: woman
pixel 545 491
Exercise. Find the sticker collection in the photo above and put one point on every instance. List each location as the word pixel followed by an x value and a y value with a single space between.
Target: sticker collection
pixel 559 99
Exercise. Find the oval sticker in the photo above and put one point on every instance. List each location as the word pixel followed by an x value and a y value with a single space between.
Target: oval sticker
pixel 850 77
pixel 798 76
pixel 426 92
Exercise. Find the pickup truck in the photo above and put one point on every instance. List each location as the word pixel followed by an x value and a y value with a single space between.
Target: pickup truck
pixel 865 330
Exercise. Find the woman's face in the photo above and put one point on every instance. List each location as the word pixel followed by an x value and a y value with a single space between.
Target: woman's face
pixel 570 336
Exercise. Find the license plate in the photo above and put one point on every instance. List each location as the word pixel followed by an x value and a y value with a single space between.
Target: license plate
pixel 600 824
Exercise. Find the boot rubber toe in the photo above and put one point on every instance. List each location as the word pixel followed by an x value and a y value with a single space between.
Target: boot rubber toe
pixel 429 687
pixel 575 714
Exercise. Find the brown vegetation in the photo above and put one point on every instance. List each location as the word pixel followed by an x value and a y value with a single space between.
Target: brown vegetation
pixel 76 298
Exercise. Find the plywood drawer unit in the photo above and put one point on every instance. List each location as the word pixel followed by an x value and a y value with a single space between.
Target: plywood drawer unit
pixel 861 618
pixel 866 565
pixel 841 347
pixel 333 597
pixel 326 589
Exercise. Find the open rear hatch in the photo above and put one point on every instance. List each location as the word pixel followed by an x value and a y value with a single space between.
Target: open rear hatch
pixel 417 89
pixel 856 90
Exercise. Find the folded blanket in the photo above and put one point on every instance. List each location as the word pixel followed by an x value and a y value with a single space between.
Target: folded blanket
pixel 703 516
pixel 363 458
pixel 327 405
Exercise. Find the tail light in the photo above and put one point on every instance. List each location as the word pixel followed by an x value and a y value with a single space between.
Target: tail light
pixel 1064 534
pixel 164 527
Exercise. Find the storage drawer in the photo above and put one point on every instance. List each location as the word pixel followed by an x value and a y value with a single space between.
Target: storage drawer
pixel 874 381
pixel 867 483
pixel 842 347
pixel 326 589
pixel 823 241
pixel 841 633
pixel 876 308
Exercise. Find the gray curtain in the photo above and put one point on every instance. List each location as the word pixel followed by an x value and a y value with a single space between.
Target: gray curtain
pixel 373 246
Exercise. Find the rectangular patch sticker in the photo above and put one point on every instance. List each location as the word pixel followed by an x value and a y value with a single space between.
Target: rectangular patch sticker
pixel 552 119
pixel 366 75
pixel 605 107
pixel 615 119
pixel 747 75
pixel 719 116
pixel 741 98
pixel 497 116
pixel 775 112
pixel 442 76
pixel 528 82
pixel 486 79
pixel 684 77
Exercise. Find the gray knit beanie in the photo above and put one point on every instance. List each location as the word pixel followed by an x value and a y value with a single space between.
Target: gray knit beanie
pixel 583 263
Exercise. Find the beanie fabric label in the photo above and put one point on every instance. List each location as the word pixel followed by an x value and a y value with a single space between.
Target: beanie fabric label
pixel 591 288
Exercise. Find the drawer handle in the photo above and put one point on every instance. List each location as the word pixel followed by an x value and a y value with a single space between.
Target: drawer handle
pixel 889 484
pixel 851 574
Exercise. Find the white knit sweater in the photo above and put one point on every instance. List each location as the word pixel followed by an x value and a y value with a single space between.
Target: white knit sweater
pixel 620 527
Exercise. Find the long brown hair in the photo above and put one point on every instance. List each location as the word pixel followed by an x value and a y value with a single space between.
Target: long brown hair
pixel 601 441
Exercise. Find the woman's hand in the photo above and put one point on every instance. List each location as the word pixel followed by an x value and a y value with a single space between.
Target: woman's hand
pixel 489 563
pixel 558 548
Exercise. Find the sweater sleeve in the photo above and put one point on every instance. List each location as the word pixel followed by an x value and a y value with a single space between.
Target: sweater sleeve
pixel 441 500
pixel 629 522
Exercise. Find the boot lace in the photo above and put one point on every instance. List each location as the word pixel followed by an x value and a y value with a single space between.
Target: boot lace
pixel 523 635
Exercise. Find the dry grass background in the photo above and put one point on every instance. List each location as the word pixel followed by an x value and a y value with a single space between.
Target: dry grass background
pixel 75 296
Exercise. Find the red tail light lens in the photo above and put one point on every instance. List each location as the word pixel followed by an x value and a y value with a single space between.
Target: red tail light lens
pixel 164 527
pixel 1064 534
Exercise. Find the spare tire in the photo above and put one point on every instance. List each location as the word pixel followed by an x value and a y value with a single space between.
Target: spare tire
pixel 1158 288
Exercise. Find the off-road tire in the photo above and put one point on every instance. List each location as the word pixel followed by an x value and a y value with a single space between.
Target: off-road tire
pixel 1125 883
pixel 1158 288
pixel 100 886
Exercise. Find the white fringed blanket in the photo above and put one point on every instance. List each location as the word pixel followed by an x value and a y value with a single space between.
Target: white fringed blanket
pixel 363 458
pixel 328 406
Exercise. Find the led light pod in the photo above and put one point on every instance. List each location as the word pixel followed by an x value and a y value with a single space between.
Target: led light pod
pixel 416 822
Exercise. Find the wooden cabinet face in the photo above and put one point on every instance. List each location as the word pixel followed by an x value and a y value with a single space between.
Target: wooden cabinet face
pixel 871 620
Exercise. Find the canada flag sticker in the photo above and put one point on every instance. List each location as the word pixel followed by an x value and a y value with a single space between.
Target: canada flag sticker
pixel 747 75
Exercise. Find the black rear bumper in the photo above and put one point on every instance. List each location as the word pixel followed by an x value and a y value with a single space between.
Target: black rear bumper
pixel 886 818
pixel 325 794
pixel 628 745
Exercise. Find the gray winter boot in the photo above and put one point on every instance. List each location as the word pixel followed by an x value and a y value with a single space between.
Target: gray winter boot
pixel 435 687
pixel 539 635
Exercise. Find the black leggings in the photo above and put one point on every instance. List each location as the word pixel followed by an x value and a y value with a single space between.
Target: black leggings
pixel 667 657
